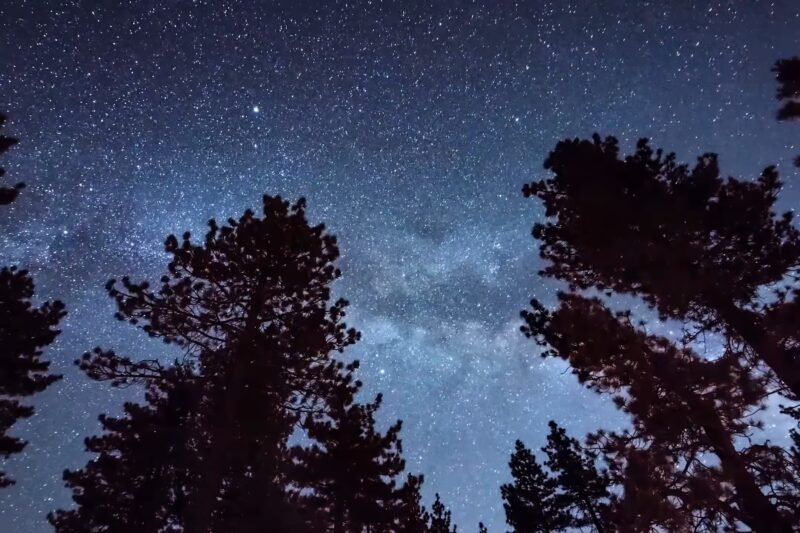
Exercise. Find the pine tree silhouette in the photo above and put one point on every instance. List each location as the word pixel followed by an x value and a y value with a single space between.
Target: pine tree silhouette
pixel 573 494
pixel 531 502
pixel 141 480
pixel 584 489
pixel 25 330
pixel 787 72
pixel 249 307
pixel 439 518
pixel 683 409
pixel 412 517
pixel 7 194
pixel 353 471
pixel 694 245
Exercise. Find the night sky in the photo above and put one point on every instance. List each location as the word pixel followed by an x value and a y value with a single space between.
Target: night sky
pixel 410 128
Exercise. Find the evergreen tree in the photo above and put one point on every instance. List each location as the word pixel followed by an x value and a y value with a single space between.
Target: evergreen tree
pixel 439 518
pixel 683 408
pixel 787 72
pixel 531 502
pixel 352 472
pixel 25 330
pixel 412 517
pixel 249 309
pixel 141 478
pixel 573 494
pixel 584 490
pixel 696 246
pixel 7 194
pixel 482 528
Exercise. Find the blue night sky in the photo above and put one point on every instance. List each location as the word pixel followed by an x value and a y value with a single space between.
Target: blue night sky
pixel 410 127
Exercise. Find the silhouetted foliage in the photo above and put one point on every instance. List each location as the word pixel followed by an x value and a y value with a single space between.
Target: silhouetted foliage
pixel 787 72
pixel 412 518
pixel 352 472
pixel 142 477
pixel 25 330
pixel 249 308
pixel 439 518
pixel 584 488
pixel 531 502
pixel 694 245
pixel 573 494
pixel 7 194
pixel 684 409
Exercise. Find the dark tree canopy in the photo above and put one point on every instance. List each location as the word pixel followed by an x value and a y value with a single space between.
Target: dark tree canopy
pixel 440 519
pixel 693 244
pixel 209 450
pixel 570 494
pixel 353 471
pixel 7 194
pixel 584 488
pixel 683 409
pixel 25 329
pixel 532 503
pixel 413 518
pixel 141 477
pixel 787 72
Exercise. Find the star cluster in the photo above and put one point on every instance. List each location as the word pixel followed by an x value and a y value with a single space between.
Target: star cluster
pixel 410 127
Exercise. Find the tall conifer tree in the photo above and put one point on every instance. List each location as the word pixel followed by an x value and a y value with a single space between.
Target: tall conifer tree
pixel 532 503
pixel 440 518
pixel 696 246
pixel 787 72
pixel 352 472
pixel 572 494
pixel 25 329
pixel 683 409
pixel 249 307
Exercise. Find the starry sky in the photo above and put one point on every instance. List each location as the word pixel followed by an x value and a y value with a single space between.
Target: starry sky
pixel 410 127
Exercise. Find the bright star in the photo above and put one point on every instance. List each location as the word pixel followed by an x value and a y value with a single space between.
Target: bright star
pixel 256 109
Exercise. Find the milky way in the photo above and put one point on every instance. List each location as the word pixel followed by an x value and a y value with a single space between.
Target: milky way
pixel 410 129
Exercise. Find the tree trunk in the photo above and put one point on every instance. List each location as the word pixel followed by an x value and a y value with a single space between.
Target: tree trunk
pixel 761 515
pixel 593 514
pixel 221 442
pixel 750 327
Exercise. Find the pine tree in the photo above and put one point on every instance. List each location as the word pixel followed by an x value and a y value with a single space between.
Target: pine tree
pixel 249 309
pixel 696 246
pixel 583 488
pixel 683 409
pixel 787 73
pixel 531 502
pixel 572 494
pixel 353 471
pixel 141 478
pixel 7 194
pixel 25 330
pixel 482 528
pixel 412 517
pixel 440 519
